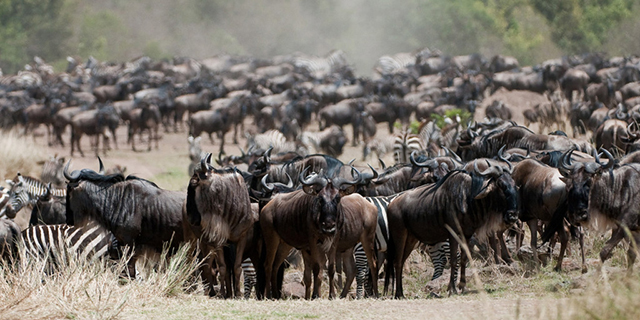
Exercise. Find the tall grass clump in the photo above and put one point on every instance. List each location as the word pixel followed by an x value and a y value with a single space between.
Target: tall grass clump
pixel 615 295
pixel 18 154
pixel 81 289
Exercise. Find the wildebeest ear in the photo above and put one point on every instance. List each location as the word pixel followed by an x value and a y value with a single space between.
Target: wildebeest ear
pixel 310 189
pixel 349 189
pixel 485 191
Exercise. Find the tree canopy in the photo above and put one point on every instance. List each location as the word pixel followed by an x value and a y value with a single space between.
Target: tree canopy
pixel 531 30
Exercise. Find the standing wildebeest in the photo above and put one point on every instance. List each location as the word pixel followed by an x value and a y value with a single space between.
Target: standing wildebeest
pixel 191 103
pixel 148 118
pixel 136 211
pixel 94 123
pixel 342 113
pixel 605 197
pixel 210 121
pixel 459 205
pixel 48 209
pixel 542 194
pixel 612 135
pixel 217 212
pixel 309 220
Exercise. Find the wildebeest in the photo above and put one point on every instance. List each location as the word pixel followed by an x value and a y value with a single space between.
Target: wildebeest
pixel 315 213
pixel 217 212
pixel 542 194
pixel 459 205
pixel 94 123
pixel 604 196
pixel 145 118
pixel 136 211
pixel 48 209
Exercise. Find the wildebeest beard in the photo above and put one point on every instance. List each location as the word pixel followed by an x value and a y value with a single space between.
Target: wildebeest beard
pixel 325 215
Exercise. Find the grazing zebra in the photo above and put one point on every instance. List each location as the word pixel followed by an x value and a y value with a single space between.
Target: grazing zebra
pixel 405 143
pixel 26 190
pixel 61 241
pixel 439 252
pixel 398 63
pixel 249 274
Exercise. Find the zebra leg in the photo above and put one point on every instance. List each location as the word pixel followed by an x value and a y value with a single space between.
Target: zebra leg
pixel 362 269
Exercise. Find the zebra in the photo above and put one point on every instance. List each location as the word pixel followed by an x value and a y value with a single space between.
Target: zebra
pixel 439 252
pixel 398 63
pixel 271 139
pixel 249 274
pixel 64 242
pixel 320 67
pixel 406 143
pixel 26 190
pixel 4 201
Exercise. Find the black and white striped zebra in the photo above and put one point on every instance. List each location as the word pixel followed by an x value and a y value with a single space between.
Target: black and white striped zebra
pixel 398 63
pixel 61 241
pixel 439 252
pixel 405 143
pixel 249 274
pixel 320 67
pixel 4 201
pixel 26 190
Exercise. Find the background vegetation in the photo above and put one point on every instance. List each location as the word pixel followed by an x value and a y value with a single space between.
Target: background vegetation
pixel 531 30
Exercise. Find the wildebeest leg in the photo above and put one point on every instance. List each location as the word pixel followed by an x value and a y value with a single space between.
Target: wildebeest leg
pixel 317 260
pixel 225 279
pixel 581 239
pixel 533 227
pixel 222 142
pixel 306 278
pixel 271 247
pixel 564 239
pixel 339 261
pixel 409 245
pixel 506 255
pixel 616 235
pixel 632 251
pixel 350 271
pixel 207 273
pixel 391 126
pixel 497 254
pixel 332 272
pixel 155 134
pixel 464 258
pixel 210 138
pixel 235 133
pixel 237 266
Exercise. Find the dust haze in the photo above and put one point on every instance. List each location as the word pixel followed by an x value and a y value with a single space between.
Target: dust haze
pixel 365 30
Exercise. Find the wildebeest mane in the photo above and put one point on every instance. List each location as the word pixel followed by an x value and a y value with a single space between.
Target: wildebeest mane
pixel 132 177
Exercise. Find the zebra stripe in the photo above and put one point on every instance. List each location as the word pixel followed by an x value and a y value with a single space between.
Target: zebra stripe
pixel 404 144
pixel 398 63
pixel 4 200
pixel 439 252
pixel 321 66
pixel 86 243
pixel 249 273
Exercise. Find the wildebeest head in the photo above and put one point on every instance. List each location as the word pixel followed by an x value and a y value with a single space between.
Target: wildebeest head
pixel 327 191
pixel 496 182
pixel 578 178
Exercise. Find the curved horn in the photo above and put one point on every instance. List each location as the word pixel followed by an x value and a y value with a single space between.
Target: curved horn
pixel 632 133
pixel 453 155
pixel 204 161
pixel 375 173
pixel 71 177
pixel 384 166
pixel 491 169
pixel 267 186
pixel 610 157
pixel 308 180
pixel 504 157
pixel 101 166
pixel 242 152
pixel 267 155
pixel 428 163
pixel 351 161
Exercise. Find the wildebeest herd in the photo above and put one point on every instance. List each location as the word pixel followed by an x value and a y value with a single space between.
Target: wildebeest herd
pixel 454 182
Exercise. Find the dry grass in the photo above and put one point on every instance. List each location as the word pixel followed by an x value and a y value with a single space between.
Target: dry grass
pixel 18 154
